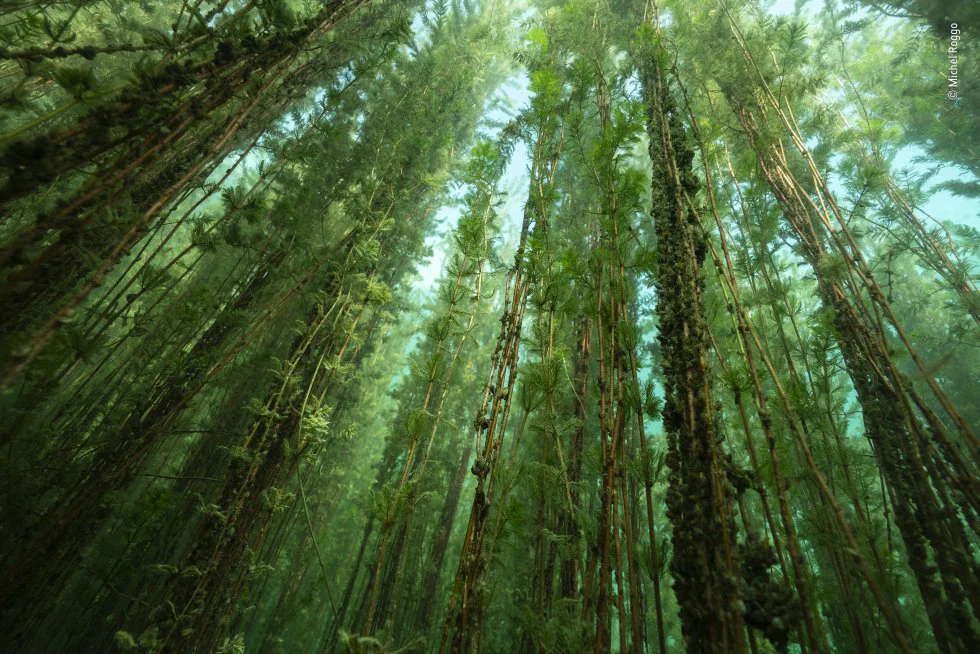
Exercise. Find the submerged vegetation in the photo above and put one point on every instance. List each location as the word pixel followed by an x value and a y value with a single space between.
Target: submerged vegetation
pixel 488 325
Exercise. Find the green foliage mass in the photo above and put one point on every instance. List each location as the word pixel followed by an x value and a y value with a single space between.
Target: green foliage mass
pixel 489 326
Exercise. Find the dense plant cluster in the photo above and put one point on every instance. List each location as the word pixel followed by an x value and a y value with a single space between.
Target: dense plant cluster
pixel 486 325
